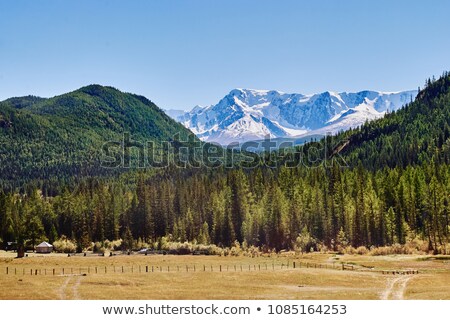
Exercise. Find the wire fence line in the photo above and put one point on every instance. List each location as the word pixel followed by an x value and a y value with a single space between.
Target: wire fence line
pixel 186 268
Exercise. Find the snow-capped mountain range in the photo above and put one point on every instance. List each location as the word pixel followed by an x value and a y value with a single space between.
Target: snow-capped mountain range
pixel 247 114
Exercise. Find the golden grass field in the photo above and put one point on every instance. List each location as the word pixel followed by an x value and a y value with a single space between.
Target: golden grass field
pixel 173 277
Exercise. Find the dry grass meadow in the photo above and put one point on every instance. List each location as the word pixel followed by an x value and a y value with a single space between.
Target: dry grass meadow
pixel 315 276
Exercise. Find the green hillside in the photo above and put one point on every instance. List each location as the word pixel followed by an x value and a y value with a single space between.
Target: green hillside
pixel 62 136
pixel 413 135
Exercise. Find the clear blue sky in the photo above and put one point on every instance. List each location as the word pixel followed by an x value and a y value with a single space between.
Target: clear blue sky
pixel 183 53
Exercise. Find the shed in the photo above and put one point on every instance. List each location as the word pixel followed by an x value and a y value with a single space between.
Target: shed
pixel 44 247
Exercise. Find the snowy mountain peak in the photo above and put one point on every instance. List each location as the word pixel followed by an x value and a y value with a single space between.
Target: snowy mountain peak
pixel 250 114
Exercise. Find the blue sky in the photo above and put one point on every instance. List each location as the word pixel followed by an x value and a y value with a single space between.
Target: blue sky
pixel 183 53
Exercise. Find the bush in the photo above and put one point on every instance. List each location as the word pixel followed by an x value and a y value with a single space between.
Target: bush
pixel 236 249
pixel 305 242
pixel 183 248
pixel 349 250
pixel 113 245
pixel 413 246
pixel 252 251
pixel 141 244
pixel 362 250
pixel 99 247
pixel 64 245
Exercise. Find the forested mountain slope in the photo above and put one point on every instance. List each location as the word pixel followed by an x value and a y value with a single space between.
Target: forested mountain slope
pixel 412 135
pixel 62 137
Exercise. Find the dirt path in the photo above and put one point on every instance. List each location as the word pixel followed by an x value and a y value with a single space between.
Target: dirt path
pixel 75 295
pixel 63 290
pixel 395 288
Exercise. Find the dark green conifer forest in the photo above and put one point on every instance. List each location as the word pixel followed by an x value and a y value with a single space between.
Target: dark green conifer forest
pixel 383 184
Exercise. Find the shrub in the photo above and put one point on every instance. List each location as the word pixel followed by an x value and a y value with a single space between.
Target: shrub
pixel 362 250
pixel 235 249
pixel 64 245
pixel 252 251
pixel 305 242
pixel 140 244
pixel 100 247
pixel 112 245
pixel 379 251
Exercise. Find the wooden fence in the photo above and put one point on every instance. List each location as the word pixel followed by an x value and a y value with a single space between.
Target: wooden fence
pixel 61 271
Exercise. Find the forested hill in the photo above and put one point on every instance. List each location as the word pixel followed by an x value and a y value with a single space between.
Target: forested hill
pixel 61 137
pixel 393 193
pixel 412 135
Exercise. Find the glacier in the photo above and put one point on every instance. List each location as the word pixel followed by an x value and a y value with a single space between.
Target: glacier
pixel 248 114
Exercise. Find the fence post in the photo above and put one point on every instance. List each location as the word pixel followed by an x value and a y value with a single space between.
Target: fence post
pixel 220 268
pixel 293 264
pixel 7 270
pixel 63 271
pixel 146 268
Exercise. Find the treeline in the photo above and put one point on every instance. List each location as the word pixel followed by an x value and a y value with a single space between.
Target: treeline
pixel 264 208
